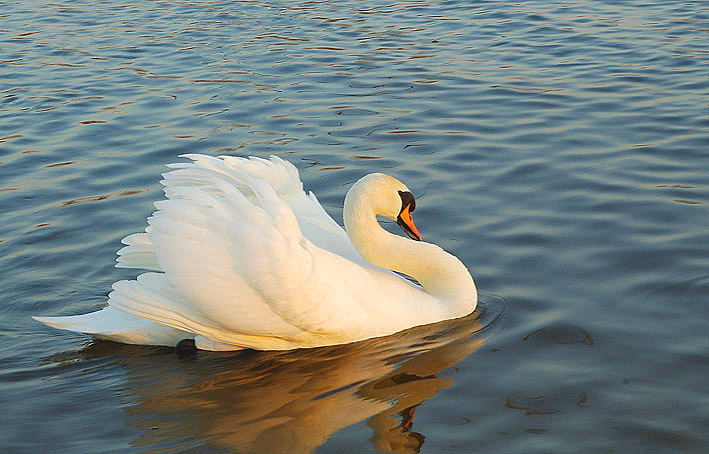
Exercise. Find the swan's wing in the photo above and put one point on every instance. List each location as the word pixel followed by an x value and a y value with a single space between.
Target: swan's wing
pixel 315 224
pixel 237 268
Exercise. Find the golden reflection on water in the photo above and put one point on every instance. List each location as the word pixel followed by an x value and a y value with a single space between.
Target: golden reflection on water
pixel 275 402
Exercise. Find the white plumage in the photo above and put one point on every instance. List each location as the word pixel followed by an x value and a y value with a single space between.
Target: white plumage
pixel 241 257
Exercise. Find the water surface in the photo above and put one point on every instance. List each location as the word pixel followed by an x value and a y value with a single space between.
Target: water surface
pixel 559 149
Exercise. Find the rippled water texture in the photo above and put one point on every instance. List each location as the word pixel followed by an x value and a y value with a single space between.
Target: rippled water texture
pixel 559 149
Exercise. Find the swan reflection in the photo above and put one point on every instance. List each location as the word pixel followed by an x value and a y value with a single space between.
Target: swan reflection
pixel 293 401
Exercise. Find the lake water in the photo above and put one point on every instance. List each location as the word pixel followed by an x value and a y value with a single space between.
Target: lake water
pixel 560 149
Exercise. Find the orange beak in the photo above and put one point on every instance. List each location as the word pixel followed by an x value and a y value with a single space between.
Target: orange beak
pixel 406 222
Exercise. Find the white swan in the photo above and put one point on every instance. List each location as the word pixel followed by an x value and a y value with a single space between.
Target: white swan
pixel 244 258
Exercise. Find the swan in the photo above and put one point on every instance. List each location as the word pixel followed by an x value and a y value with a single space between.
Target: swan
pixel 238 256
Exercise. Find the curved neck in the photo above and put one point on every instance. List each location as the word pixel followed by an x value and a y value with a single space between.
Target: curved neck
pixel 441 274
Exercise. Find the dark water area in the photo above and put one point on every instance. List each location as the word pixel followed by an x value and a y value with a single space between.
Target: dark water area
pixel 560 150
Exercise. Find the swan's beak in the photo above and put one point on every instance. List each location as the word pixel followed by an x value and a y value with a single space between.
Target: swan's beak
pixel 406 222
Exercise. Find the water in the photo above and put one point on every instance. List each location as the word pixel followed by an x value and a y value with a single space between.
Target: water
pixel 559 149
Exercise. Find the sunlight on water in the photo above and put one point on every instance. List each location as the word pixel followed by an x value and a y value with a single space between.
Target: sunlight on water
pixel 292 401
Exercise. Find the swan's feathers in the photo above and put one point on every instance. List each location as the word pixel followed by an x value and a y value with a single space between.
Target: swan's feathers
pixel 233 239
pixel 110 323
pixel 138 253
pixel 239 173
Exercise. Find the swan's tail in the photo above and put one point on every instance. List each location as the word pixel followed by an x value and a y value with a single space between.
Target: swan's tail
pixel 115 325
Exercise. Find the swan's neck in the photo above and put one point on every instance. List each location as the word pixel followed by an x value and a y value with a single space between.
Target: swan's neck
pixel 441 274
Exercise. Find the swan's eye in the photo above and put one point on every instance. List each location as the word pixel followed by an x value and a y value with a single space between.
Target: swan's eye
pixel 407 199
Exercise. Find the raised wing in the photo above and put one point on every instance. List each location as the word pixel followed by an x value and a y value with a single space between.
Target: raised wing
pixel 315 224
pixel 237 266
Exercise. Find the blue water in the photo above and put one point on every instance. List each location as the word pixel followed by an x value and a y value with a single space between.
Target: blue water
pixel 560 149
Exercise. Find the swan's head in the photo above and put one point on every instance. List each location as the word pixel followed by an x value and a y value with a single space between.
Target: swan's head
pixel 387 197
